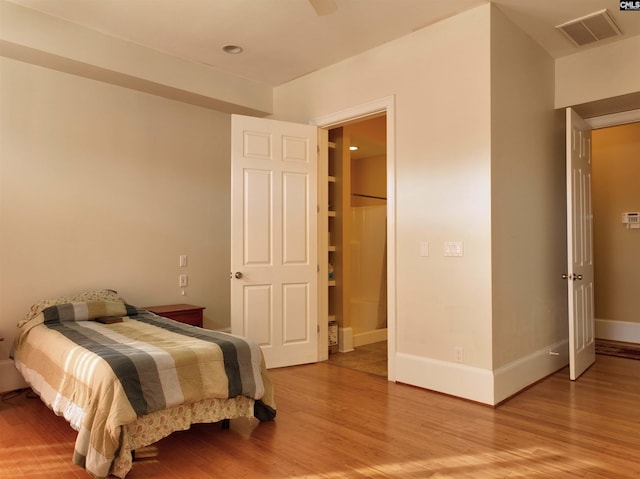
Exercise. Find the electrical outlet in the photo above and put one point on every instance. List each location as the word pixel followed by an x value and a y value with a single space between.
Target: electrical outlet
pixel 458 353
pixel 182 280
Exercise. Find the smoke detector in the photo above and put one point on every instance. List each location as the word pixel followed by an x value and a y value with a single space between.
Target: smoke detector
pixel 590 28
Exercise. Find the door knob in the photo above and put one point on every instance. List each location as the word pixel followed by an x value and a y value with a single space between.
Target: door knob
pixel 577 276
pixel 565 276
pixel 238 275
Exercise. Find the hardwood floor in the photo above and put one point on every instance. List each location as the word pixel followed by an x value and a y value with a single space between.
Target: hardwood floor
pixel 336 423
pixel 369 358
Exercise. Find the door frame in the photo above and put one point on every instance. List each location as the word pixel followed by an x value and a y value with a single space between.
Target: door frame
pixel 613 119
pixel 384 105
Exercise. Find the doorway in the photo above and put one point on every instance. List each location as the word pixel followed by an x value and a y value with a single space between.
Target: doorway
pixel 358 195
pixel 381 107
pixel 616 165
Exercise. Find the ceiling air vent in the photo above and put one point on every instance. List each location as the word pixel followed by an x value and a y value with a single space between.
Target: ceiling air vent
pixel 590 28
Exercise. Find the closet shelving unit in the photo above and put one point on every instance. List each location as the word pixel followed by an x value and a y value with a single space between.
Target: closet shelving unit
pixel 334 186
pixel 332 323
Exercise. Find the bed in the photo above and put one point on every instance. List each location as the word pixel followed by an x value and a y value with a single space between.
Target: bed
pixel 124 377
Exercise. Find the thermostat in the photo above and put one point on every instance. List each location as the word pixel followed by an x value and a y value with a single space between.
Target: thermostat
pixel 631 219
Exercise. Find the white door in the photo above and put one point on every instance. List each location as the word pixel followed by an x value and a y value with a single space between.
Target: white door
pixel 274 293
pixel 579 246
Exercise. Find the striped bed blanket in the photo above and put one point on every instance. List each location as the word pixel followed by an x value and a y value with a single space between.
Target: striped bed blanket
pixel 103 374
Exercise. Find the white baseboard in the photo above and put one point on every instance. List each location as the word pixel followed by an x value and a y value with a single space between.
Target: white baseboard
pixel 618 330
pixel 369 337
pixel 455 379
pixel 477 384
pixel 10 378
pixel 345 340
pixel 517 375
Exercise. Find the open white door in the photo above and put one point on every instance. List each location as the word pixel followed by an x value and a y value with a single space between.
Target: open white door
pixel 274 292
pixel 579 246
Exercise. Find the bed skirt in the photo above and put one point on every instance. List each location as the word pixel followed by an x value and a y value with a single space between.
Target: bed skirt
pixel 150 428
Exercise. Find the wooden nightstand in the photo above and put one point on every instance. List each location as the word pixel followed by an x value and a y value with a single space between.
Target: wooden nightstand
pixel 185 313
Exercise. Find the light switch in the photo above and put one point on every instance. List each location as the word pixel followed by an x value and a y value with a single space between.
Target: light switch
pixel 453 248
pixel 183 260
pixel 424 248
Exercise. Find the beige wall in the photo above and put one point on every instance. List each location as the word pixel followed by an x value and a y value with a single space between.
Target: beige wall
pixel 440 79
pixel 471 135
pixel 103 187
pixel 368 177
pixel 616 170
pixel 442 173
pixel 527 196
pixel 599 73
pixel 369 173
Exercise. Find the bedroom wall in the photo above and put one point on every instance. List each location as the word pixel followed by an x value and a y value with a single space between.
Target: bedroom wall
pixel 589 76
pixel 528 211
pixel 440 78
pixel 456 104
pixel 103 187
pixel 600 81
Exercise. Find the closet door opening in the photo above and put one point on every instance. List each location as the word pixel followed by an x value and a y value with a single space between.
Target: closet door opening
pixel 358 243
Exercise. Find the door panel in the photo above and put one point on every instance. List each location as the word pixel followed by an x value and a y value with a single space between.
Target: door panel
pixel 295 191
pixel 295 305
pixel 274 283
pixel 257 301
pixel 579 246
pixel 257 234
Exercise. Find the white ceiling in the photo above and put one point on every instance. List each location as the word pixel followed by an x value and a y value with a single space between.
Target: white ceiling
pixel 285 39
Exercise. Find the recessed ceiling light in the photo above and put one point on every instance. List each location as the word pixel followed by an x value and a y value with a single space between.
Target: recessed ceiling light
pixel 353 148
pixel 232 49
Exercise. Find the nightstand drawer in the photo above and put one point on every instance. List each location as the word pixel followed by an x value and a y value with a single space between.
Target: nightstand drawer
pixel 185 313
